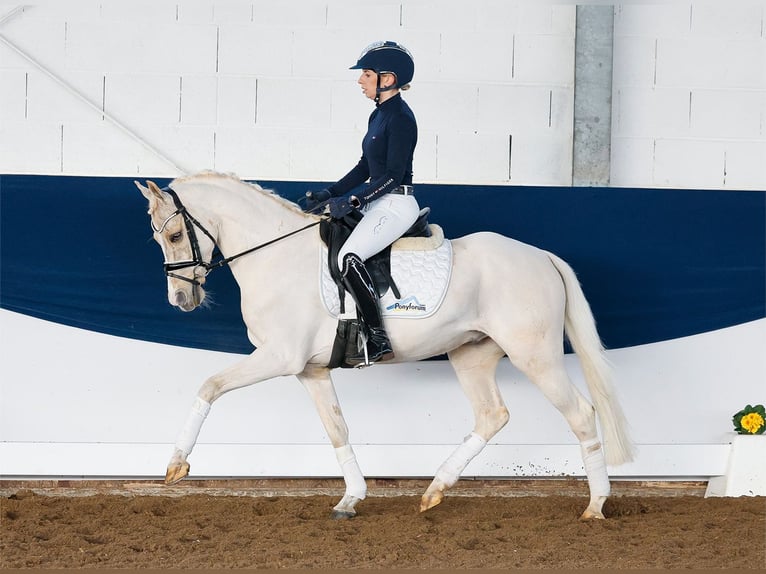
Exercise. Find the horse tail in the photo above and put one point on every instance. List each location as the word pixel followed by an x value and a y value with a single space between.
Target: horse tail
pixel 581 331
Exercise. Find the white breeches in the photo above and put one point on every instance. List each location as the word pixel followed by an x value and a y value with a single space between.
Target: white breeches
pixel 384 221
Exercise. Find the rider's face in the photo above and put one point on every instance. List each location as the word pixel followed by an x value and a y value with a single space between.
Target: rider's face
pixel 369 82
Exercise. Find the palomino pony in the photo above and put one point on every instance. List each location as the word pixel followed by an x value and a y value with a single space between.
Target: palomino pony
pixel 504 298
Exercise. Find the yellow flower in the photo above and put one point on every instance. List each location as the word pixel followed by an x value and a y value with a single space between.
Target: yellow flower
pixel 751 422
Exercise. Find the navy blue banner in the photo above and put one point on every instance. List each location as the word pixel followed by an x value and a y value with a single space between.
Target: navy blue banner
pixel 655 264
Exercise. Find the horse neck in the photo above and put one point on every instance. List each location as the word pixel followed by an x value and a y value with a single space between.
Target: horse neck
pixel 241 217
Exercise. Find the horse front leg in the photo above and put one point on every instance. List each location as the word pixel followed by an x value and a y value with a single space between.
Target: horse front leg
pixel 319 385
pixel 259 366
pixel 475 365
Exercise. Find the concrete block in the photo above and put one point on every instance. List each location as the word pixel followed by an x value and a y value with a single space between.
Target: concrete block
pixel 727 19
pixel 237 100
pixel 424 161
pixel 515 109
pixel 324 155
pixel 647 112
pixel 547 19
pixel 631 161
pixel 691 164
pixel 192 148
pixel 441 16
pixel 726 114
pixel 143 99
pixel 541 159
pixel 467 157
pixel 544 59
pixel 199 100
pixel 445 106
pixel 303 103
pixel 13 95
pixel 41 38
pixel 138 11
pixel 280 14
pixel 233 11
pixel 711 63
pixel 49 101
pixel 155 48
pixel 243 50
pixel 634 61
pixel 327 53
pixel 745 166
pixel 30 147
pixel 199 12
pixel 361 14
pixel 350 109
pixel 116 153
pixel 253 152
pixel 499 15
pixel 657 20
pixel 494 62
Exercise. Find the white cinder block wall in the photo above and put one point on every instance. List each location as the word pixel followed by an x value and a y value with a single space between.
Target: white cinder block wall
pixel 689 95
pixel 262 89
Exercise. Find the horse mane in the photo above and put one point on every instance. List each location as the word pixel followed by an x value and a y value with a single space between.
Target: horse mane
pixel 224 178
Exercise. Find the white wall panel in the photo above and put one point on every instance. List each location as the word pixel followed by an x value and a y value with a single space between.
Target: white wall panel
pixel 143 99
pixel 746 165
pixel 255 150
pixel 487 154
pixel 237 101
pixel 13 94
pixel 280 14
pixel 689 163
pixel 632 162
pixel 651 111
pixel 30 147
pixel 199 99
pixel 47 102
pixel 114 407
pixel 726 114
pixel 541 158
pixel 544 59
pixel 294 102
pixel 263 52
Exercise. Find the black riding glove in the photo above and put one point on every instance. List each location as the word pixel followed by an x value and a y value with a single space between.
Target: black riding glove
pixel 315 198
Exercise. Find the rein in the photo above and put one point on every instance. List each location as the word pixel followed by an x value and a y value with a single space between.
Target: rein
pixel 190 223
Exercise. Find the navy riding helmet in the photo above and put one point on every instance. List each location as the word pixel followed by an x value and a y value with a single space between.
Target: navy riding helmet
pixel 388 58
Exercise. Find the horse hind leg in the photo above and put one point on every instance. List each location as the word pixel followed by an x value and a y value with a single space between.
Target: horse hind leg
pixel 552 379
pixel 475 365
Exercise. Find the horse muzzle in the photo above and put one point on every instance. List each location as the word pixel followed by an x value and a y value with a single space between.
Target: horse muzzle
pixel 185 293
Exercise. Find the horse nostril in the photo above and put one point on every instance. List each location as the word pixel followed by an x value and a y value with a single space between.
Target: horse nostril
pixel 180 299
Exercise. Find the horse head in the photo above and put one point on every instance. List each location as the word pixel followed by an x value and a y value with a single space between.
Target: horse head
pixel 186 252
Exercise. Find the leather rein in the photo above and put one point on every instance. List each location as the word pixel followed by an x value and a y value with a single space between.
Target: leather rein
pixel 190 223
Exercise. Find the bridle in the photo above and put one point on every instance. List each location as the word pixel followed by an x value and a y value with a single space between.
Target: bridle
pixel 190 223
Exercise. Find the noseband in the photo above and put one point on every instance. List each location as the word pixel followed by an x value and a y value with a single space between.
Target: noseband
pixel 190 223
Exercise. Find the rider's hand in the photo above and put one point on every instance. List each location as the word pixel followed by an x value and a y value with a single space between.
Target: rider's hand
pixel 339 207
pixel 314 198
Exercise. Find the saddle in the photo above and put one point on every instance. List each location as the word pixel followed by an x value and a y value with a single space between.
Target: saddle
pixel 334 233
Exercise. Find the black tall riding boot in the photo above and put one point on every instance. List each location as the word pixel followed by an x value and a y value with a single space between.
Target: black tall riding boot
pixel 359 283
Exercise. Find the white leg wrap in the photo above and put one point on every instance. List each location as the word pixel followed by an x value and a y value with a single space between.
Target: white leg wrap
pixel 352 474
pixel 595 467
pixel 188 437
pixel 449 472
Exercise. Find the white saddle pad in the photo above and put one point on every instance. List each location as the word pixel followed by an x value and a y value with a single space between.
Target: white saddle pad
pixel 421 268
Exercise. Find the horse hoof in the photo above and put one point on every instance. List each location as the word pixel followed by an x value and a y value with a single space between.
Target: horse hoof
pixel 342 514
pixel 430 500
pixel 176 472
pixel 592 515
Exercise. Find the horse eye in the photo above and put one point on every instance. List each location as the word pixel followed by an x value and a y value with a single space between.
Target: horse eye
pixel 175 237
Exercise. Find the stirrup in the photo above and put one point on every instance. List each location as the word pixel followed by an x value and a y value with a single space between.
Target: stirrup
pixel 384 352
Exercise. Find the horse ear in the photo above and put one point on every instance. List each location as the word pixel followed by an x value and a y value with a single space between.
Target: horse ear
pixel 152 192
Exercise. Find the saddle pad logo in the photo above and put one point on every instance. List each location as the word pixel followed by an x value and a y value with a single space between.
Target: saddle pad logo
pixel 409 304
pixel 422 277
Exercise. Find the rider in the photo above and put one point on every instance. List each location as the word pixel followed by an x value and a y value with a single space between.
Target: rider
pixel 387 199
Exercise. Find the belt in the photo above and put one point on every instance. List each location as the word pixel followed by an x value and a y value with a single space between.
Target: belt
pixel 404 190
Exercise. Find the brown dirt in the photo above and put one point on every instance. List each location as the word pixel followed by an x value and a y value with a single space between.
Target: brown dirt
pixel 204 531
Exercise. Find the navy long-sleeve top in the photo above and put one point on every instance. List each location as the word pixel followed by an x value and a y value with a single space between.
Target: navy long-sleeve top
pixel 387 151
